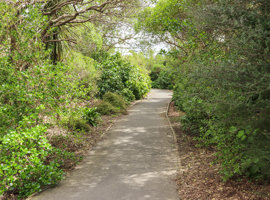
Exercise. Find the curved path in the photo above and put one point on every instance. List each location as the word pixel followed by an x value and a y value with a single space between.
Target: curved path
pixel 138 160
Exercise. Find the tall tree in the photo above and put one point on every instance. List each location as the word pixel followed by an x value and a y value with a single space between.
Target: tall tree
pixel 63 15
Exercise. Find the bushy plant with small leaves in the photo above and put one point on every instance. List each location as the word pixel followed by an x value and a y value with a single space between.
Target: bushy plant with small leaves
pixel 23 166
pixel 119 76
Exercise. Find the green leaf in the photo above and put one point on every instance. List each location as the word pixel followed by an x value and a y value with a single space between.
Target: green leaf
pixel 233 129
pixel 240 133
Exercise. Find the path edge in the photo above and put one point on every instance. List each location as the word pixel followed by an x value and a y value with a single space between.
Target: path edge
pixel 179 166
pixel 132 104
pixel 103 134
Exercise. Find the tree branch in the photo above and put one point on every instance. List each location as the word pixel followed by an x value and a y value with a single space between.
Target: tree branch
pixel 61 40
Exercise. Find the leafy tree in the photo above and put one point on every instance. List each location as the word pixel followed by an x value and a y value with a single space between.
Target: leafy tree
pixel 33 92
pixel 59 18
pixel 223 77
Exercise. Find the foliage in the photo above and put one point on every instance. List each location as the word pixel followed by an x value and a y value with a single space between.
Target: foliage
pixel 91 115
pixel 118 74
pixel 23 167
pixel 77 123
pixel 105 108
pixel 61 16
pixel 80 125
pixel 83 67
pixel 37 86
pixel 73 119
pixel 222 81
pixel 111 103
pixel 166 21
pixel 27 79
pixel 41 85
pixel 145 61
pixel 163 80
pixel 89 39
pixel 161 68
pixel 114 99
pixel 128 95
pixel 99 55
pixel 33 92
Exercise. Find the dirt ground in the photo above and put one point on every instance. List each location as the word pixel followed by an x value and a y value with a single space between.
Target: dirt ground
pixel 201 179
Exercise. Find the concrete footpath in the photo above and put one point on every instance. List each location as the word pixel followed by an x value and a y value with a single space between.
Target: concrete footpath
pixel 137 161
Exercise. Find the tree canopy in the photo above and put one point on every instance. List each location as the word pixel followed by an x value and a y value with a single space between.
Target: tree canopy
pixel 223 77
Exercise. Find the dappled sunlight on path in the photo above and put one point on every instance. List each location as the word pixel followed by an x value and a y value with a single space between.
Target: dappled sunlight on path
pixel 137 160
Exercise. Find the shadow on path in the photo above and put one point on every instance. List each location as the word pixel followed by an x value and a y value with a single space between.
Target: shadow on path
pixel 137 161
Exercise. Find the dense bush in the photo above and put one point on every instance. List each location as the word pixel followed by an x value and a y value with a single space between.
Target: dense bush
pixel 111 103
pixel 36 88
pixel 119 76
pixel 83 68
pixel 223 77
pixel 187 99
pixel 23 167
pixel 33 92
pixel 75 119
pixel 225 91
pixel 105 108
pixel 163 81
pixel 115 99
pixel 162 76
pixel 48 85
pixel 79 125
pixel 128 95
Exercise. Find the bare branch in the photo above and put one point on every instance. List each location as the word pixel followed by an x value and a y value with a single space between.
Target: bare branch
pixel 97 12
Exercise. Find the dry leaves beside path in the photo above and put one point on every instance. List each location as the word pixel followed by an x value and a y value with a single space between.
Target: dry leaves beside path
pixel 200 178
pixel 81 143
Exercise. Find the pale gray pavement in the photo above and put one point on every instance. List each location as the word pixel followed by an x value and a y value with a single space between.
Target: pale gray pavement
pixel 137 161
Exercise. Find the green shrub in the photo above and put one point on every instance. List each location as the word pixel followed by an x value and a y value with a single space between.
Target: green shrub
pixel 162 76
pixel 83 68
pixel 115 99
pixel 105 108
pixel 75 121
pixel 128 95
pixel 112 103
pixel 138 83
pixel 82 125
pixel 91 115
pixel 49 86
pixel 155 71
pixel 23 153
pixel 163 81
pixel 119 75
